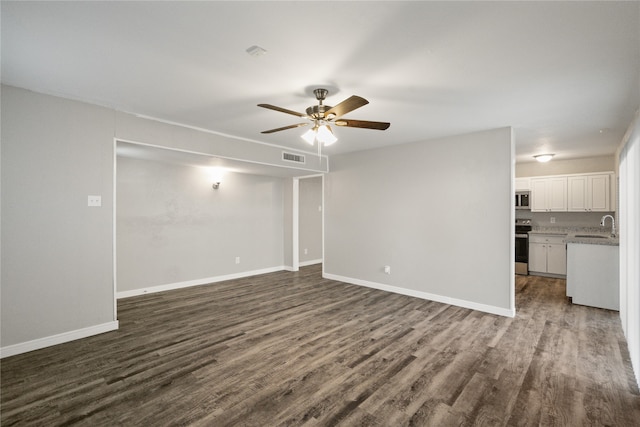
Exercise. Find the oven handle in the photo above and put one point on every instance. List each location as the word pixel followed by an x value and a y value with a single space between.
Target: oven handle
pixel 519 236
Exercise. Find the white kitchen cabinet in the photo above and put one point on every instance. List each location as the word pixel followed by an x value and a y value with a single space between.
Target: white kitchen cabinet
pixel 589 193
pixel 549 194
pixel 547 254
pixel 593 275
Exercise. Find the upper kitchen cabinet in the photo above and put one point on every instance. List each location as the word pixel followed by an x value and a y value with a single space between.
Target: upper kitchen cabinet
pixel 549 194
pixel 590 193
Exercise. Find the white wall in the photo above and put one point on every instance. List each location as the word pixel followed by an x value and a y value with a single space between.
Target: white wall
pixel 57 254
pixel 439 212
pixel 172 227
pixel 561 167
pixel 629 216
pixel 57 263
pixel 310 220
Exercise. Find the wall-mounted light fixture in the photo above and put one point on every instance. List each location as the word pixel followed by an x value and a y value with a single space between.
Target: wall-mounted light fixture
pixel 543 158
pixel 216 175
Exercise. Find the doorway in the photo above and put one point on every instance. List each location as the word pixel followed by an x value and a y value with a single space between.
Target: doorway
pixel 308 221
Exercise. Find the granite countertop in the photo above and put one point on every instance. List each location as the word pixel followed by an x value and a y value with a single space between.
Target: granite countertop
pixel 606 240
pixel 571 234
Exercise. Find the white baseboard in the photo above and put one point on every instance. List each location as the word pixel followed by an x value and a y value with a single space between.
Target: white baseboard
pixel 425 295
pixel 24 347
pixel 196 282
pixel 310 262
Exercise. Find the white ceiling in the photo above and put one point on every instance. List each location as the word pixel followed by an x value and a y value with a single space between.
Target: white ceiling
pixel 564 75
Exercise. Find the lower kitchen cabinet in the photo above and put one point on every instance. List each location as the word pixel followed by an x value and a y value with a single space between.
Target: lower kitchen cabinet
pixel 593 275
pixel 547 254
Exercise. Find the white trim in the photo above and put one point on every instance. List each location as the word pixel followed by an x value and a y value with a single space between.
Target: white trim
pixel 197 282
pixel 512 229
pixel 114 227
pixel 323 209
pixel 295 220
pixel 321 174
pixel 37 344
pixel 425 295
pixel 310 262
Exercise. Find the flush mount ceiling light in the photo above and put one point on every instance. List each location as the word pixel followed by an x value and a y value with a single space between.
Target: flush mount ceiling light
pixel 543 158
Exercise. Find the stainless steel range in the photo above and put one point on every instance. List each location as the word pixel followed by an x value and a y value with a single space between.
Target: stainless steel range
pixel 523 227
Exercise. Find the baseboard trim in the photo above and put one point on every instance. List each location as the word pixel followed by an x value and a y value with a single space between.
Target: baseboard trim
pixel 196 282
pixel 310 262
pixel 424 295
pixel 24 347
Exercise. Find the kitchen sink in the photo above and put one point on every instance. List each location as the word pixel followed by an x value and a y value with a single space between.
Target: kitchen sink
pixel 591 236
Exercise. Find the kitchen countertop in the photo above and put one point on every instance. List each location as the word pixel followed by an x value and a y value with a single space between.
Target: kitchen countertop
pixel 572 232
pixel 608 240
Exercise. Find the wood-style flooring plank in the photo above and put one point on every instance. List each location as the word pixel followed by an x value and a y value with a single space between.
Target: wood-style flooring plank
pixel 295 349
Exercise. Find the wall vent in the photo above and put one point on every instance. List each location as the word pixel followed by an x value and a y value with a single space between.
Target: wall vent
pixel 290 157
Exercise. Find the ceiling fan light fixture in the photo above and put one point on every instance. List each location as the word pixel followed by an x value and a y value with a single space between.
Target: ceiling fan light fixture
pixel 325 135
pixel 309 136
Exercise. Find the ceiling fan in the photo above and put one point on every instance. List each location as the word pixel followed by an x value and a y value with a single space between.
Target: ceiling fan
pixel 322 116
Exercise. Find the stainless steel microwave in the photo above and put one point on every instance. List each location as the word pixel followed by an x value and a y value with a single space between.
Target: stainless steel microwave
pixel 523 200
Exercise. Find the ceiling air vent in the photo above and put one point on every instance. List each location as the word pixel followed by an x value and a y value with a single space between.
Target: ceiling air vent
pixel 290 157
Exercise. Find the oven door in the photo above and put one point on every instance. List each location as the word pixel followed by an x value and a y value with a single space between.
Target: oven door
pixel 522 254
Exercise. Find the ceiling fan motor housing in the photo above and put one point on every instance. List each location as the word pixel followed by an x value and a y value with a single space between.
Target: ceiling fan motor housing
pixel 316 112
pixel 320 94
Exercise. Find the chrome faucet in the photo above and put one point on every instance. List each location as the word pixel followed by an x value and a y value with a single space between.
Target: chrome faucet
pixel 613 224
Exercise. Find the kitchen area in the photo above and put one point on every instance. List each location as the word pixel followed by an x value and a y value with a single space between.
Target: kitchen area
pixel 565 227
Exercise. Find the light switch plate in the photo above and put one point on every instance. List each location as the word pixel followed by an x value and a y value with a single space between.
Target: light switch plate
pixel 94 201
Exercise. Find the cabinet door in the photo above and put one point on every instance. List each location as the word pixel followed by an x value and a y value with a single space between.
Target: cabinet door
pixel 538 257
pixel 599 193
pixel 577 193
pixel 557 194
pixel 538 195
pixel 556 259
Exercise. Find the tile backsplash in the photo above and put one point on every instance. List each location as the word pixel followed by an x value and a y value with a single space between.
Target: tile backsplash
pixel 564 219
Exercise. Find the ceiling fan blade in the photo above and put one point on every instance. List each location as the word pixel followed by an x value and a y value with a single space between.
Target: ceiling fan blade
pixel 284 128
pixel 362 124
pixel 282 110
pixel 345 106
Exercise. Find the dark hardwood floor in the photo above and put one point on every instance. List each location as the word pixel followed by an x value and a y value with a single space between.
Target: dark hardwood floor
pixel 295 349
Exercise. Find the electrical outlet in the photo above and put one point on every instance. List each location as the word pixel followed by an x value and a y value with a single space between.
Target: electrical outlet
pixel 237 260
pixel 306 251
pixel 553 220
pixel 387 269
